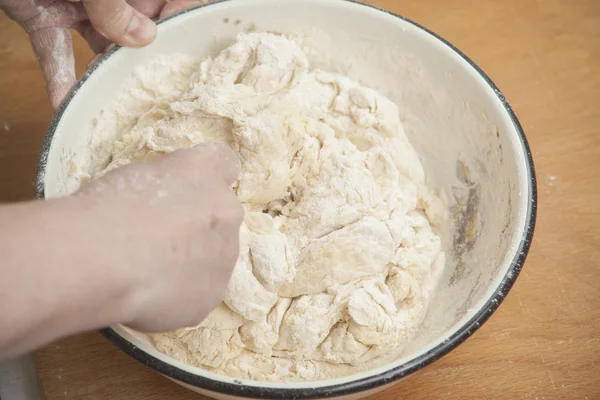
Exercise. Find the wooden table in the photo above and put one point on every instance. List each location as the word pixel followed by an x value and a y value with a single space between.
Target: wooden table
pixel 544 342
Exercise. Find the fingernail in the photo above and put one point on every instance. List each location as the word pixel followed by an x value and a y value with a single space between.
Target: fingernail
pixel 141 29
pixel 94 60
pixel 133 24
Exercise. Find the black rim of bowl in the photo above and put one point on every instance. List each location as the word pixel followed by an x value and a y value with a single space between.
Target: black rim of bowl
pixel 363 384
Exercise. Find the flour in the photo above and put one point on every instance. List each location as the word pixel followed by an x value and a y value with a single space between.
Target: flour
pixel 338 251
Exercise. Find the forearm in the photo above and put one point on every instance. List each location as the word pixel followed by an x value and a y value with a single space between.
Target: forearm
pixel 53 283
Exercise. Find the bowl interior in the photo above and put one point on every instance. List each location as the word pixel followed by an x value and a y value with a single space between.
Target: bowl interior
pixel 466 138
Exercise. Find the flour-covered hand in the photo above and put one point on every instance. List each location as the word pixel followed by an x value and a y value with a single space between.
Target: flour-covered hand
pixel 100 22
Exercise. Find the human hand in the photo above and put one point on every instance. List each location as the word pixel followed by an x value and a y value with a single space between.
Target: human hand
pixel 100 22
pixel 173 227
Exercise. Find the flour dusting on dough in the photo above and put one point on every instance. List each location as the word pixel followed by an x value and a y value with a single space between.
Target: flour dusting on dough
pixel 339 251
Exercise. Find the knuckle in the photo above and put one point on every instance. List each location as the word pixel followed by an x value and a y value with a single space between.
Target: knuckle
pixel 225 152
pixel 192 158
pixel 214 160
pixel 216 153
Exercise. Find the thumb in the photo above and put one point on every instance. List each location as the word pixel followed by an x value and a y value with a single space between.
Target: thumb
pixel 175 6
pixel 120 22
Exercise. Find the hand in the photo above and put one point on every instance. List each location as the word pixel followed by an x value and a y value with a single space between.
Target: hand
pixel 174 222
pixel 100 22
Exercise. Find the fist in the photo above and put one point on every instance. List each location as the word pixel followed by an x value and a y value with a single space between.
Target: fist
pixel 173 226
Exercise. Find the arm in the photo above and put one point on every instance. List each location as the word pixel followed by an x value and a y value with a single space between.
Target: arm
pixel 119 253
pixel 53 282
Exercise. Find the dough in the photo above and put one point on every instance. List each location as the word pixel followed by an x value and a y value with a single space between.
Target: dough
pixel 338 258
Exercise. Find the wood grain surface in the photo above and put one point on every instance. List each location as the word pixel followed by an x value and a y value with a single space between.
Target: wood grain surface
pixel 544 341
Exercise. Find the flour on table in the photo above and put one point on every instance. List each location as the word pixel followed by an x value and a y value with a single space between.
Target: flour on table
pixel 339 255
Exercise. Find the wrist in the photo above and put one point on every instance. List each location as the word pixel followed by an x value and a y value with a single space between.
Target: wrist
pixel 106 280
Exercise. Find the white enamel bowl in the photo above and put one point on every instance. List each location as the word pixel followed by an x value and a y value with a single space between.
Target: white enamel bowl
pixel 468 138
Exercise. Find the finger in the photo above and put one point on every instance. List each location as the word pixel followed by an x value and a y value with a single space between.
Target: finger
pixel 150 8
pixel 54 51
pixel 97 42
pixel 34 16
pixel 175 6
pixel 120 22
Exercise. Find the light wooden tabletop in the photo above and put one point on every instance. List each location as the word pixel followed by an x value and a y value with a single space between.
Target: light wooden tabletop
pixel 544 341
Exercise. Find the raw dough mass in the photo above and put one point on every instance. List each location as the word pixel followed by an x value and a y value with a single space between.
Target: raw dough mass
pixel 338 255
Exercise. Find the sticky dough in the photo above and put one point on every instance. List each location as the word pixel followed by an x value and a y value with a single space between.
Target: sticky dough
pixel 338 258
